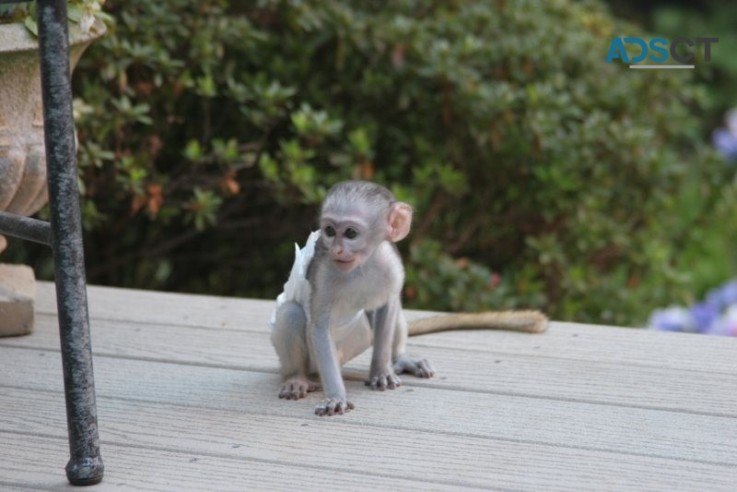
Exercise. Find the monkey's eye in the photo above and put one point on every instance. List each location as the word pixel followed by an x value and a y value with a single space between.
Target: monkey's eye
pixel 350 233
pixel 329 231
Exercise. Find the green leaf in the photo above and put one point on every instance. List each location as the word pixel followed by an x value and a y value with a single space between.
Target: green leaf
pixel 31 25
pixel 193 150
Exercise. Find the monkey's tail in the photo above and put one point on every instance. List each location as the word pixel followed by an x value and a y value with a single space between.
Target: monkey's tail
pixel 523 321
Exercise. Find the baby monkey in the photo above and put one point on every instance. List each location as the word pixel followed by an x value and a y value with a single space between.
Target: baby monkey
pixel 344 295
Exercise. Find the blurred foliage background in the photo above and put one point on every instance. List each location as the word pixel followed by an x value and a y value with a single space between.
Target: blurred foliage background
pixel 541 176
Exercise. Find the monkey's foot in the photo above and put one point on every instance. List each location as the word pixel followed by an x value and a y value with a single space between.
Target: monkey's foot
pixel 420 368
pixel 333 406
pixel 297 387
pixel 383 381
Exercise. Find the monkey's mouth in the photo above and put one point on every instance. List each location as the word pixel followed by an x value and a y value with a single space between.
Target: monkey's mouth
pixel 344 265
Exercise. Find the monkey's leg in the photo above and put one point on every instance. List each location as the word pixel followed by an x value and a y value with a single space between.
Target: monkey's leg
pixel 384 321
pixel 404 364
pixel 290 342
pixel 420 368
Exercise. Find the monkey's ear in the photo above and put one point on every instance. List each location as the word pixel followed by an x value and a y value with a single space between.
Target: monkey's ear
pixel 400 220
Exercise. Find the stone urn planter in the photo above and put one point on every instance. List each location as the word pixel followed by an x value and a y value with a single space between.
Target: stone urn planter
pixel 22 156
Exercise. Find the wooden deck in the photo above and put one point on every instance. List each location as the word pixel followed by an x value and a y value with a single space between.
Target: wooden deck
pixel 187 387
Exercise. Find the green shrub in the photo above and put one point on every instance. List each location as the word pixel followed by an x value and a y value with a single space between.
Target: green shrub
pixel 541 176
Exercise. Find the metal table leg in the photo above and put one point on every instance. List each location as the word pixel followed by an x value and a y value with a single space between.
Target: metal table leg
pixel 85 466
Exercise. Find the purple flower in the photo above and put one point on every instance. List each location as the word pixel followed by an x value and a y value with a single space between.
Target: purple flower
pixel 723 296
pixel 729 292
pixel 717 315
pixel 725 142
pixel 703 315
pixel 727 324
pixel 674 318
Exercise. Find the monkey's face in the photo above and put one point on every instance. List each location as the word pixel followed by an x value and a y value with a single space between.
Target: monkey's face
pixel 348 242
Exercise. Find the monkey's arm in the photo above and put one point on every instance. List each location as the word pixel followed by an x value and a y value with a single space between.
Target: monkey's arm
pixel 323 346
pixel 523 321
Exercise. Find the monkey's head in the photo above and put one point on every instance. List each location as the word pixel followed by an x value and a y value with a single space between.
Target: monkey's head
pixel 356 217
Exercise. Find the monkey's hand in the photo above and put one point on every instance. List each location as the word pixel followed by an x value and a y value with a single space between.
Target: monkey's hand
pixel 297 387
pixel 333 406
pixel 381 380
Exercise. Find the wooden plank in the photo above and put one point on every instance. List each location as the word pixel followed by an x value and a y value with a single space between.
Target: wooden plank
pixel 575 425
pixel 471 370
pixel 327 445
pixel 37 462
pixel 8 487
pixel 564 340
pixel 596 343
pixel 151 308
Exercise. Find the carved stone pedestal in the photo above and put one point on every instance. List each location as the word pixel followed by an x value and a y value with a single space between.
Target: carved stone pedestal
pixel 23 189
pixel 17 293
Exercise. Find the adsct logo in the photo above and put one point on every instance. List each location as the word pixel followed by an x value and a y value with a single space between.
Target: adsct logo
pixel 660 52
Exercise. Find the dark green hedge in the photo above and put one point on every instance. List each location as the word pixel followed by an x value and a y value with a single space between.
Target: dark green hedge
pixel 541 176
